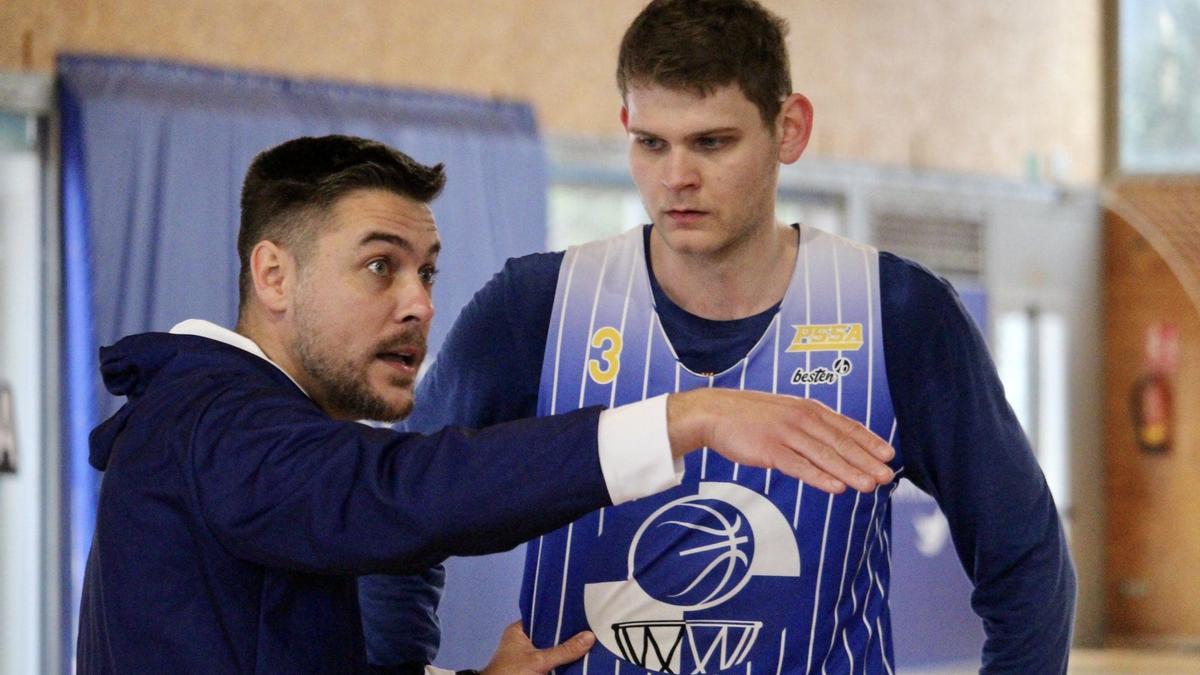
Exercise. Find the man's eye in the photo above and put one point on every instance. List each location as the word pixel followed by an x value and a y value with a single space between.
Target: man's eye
pixel 650 143
pixel 428 274
pixel 379 267
pixel 710 143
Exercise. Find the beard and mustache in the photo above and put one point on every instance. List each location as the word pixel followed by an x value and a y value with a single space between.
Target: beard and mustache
pixel 343 383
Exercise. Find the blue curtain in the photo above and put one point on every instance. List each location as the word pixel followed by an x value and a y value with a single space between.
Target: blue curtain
pixel 153 158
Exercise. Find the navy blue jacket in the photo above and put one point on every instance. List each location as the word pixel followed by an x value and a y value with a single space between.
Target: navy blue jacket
pixel 234 513
pixel 959 440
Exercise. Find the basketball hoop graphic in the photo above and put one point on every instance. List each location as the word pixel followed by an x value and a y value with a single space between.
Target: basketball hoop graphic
pixel 687 559
pixel 653 644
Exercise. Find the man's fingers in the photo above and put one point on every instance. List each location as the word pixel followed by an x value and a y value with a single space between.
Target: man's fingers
pixel 848 441
pixel 796 466
pixel 872 464
pixel 567 652
pixel 866 439
pixel 831 462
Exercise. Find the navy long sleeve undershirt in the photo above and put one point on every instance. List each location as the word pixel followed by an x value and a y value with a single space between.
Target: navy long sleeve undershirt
pixel 959 439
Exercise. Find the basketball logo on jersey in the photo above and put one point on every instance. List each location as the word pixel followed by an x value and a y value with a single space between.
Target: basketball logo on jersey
pixel 709 544
pixel 688 558
pixel 604 369
pixel 827 337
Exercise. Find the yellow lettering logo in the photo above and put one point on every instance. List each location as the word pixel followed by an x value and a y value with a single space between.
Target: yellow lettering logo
pixel 604 369
pixel 827 337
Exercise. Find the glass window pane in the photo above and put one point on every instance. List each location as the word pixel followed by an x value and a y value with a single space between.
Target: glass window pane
pixel 1159 117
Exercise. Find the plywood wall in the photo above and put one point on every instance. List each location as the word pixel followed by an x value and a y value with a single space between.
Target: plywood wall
pixel 1153 508
pixel 1001 88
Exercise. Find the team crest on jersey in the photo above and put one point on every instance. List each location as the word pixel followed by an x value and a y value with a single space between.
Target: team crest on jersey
pixel 686 560
pixel 827 337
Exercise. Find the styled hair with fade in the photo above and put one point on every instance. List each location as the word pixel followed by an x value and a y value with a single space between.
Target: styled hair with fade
pixel 701 45
pixel 290 186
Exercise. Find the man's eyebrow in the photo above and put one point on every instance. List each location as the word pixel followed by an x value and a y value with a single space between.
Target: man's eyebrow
pixel 398 241
pixel 715 131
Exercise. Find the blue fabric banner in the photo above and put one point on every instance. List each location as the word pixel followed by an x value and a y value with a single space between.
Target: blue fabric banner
pixel 153 158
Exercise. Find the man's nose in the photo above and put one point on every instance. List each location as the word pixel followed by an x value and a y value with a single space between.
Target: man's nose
pixel 680 172
pixel 414 302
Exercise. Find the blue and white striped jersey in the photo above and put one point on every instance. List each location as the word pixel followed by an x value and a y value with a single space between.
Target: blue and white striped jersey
pixel 738 569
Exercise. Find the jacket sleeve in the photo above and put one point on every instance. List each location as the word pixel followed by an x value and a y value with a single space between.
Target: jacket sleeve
pixel 487 371
pixel 962 444
pixel 399 613
pixel 282 485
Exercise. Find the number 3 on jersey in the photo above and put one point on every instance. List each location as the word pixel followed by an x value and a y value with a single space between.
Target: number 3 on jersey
pixel 604 369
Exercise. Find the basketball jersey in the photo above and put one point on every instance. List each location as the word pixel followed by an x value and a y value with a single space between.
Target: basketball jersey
pixel 738 569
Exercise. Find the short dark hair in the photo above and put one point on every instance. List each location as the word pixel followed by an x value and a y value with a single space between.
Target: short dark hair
pixel 290 185
pixel 700 45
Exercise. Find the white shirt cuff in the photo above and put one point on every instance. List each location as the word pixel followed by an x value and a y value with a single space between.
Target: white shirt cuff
pixel 434 670
pixel 635 451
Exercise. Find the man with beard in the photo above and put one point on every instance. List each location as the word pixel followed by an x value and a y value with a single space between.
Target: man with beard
pixel 241 497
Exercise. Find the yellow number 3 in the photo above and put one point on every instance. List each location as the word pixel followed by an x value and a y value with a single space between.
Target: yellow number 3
pixel 604 369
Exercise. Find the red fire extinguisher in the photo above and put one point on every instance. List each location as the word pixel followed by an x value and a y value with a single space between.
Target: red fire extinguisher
pixel 1151 401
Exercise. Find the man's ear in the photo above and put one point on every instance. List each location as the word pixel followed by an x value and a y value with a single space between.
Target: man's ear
pixel 625 118
pixel 794 127
pixel 273 273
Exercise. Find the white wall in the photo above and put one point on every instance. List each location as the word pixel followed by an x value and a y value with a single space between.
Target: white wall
pixel 21 360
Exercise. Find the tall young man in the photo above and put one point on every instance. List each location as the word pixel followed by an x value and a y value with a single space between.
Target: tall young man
pixel 240 497
pixel 739 569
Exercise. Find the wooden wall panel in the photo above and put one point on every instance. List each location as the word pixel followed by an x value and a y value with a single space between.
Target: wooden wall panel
pixel 961 85
pixel 1153 508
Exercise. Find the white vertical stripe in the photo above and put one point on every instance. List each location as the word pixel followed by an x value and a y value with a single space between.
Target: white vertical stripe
pixel 807 366
pixel 873 524
pixel 704 455
pixel 882 651
pixel 782 645
pixel 778 321
pixel 837 294
pixel 537 573
pixel 587 350
pixel 741 387
pixel 820 574
pixel 562 599
pixel 871 287
pixel 842 583
pixel 649 343
pixel 858 573
pixel 562 317
pixel 846 641
pixel 704 451
pixel 876 584
pixel 807 318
